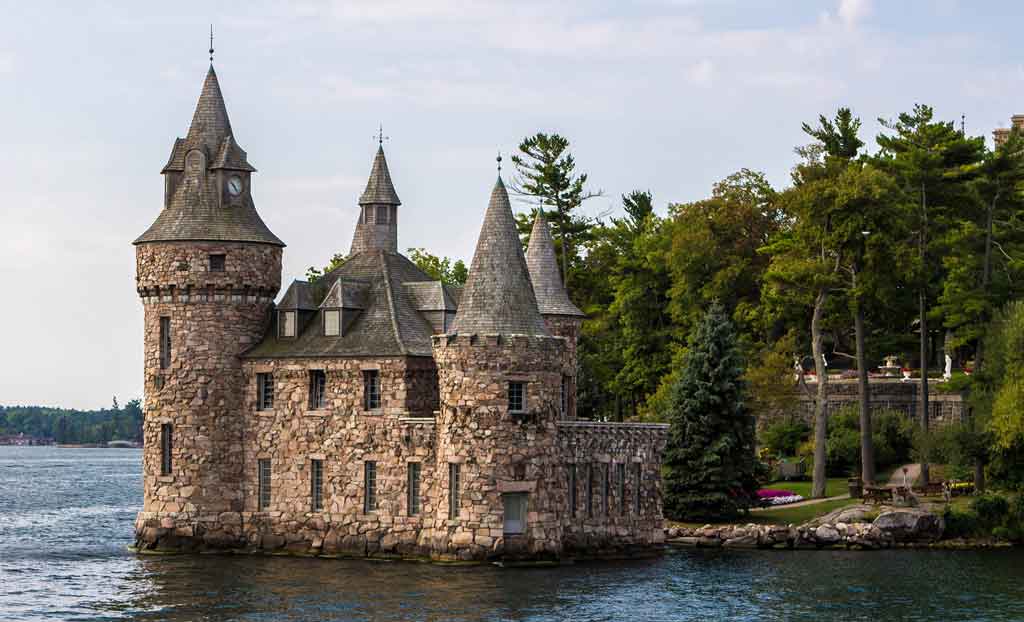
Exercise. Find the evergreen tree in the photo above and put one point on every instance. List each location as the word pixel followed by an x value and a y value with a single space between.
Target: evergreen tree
pixel 709 461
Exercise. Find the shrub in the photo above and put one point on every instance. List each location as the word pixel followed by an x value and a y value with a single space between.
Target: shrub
pixel 785 437
pixel 960 524
pixel 891 430
pixel 992 510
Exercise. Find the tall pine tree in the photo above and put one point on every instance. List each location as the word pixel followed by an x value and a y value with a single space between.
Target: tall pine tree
pixel 710 468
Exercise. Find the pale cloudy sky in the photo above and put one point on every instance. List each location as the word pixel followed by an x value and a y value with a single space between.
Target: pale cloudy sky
pixel 666 95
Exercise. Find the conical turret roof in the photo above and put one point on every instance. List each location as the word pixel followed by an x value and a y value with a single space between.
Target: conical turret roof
pixel 552 299
pixel 498 297
pixel 210 123
pixel 379 189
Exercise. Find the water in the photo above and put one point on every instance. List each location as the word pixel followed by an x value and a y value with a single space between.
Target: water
pixel 66 519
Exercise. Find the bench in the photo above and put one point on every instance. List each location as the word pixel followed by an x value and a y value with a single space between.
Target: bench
pixel 877 494
pixel 933 489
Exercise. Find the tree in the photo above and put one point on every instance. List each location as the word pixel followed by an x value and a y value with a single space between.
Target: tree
pixel 926 156
pixel 545 170
pixel 709 465
pixel 313 273
pixel 440 268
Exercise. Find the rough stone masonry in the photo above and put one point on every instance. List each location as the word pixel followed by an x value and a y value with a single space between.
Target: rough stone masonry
pixel 375 411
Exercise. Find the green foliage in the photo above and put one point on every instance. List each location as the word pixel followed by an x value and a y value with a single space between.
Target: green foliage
pixel 891 432
pixel 313 273
pixel 784 438
pixel 439 268
pixel 992 510
pixel 74 426
pixel 960 523
pixel 710 468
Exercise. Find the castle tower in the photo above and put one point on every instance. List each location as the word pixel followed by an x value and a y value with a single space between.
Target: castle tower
pixel 500 479
pixel 377 228
pixel 207 271
pixel 561 316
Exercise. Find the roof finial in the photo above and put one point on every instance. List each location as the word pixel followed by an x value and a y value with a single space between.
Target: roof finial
pixel 380 136
pixel 211 44
pixel 499 163
pixel 963 125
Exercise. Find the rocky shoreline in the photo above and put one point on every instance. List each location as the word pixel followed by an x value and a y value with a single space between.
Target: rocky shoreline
pixel 856 527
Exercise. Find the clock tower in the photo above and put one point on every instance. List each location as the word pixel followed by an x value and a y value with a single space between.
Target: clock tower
pixel 207 272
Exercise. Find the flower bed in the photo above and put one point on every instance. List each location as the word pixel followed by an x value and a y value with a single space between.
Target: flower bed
pixel 770 496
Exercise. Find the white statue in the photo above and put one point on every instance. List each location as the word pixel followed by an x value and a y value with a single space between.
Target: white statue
pixel 824 360
pixel 946 375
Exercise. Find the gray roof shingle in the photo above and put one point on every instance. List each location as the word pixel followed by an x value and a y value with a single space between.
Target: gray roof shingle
pixel 552 299
pixel 379 189
pixel 498 297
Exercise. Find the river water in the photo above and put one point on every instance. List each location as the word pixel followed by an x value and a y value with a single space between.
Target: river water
pixel 66 519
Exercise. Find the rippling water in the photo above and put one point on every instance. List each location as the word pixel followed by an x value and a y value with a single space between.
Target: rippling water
pixel 66 520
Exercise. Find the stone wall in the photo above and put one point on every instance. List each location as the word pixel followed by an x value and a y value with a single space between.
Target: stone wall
pixel 199 392
pixel 568 327
pixel 597 448
pixel 945 408
pixel 497 451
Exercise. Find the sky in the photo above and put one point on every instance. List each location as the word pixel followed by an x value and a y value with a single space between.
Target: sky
pixel 662 95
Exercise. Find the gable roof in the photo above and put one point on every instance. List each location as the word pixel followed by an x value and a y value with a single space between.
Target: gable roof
pixel 498 297
pixel 552 299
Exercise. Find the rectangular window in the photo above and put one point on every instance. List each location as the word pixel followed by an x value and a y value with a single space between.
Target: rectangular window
pixel 369 486
pixel 620 476
pixel 414 488
pixel 606 487
pixel 572 490
pixel 515 512
pixel 263 465
pixel 371 389
pixel 638 468
pixel 165 342
pixel 565 397
pixel 332 322
pixel 286 323
pixel 382 215
pixel 454 481
pixel 316 484
pixel 317 388
pixel 516 397
pixel 165 449
pixel 264 391
pixel 590 490
pixel 217 263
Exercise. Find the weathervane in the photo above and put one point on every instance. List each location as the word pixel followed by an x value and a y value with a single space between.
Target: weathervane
pixel 380 135
pixel 211 44
pixel 499 163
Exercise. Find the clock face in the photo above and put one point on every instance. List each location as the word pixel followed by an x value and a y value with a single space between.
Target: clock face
pixel 235 186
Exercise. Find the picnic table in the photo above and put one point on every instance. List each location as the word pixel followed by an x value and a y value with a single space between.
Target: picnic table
pixel 877 494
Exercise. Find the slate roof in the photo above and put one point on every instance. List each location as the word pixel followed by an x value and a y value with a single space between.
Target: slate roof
pixel 388 324
pixel 379 189
pixel 498 297
pixel 552 299
pixel 194 212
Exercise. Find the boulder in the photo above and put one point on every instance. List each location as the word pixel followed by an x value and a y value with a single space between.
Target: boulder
pixel 827 535
pixel 746 541
pixel 910 525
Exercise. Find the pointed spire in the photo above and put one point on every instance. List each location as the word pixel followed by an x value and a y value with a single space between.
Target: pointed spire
pixel 379 189
pixel 498 297
pixel 210 124
pixel 552 299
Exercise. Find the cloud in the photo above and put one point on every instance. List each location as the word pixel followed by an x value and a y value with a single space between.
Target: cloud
pixel 6 63
pixel 701 72
pixel 851 12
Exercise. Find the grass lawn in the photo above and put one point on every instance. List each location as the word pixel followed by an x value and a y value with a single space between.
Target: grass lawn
pixel 834 486
pixel 797 515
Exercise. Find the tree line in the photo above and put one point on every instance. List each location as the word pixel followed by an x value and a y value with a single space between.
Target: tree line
pixel 73 426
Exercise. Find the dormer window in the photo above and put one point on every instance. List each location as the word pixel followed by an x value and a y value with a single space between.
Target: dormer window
pixel 332 322
pixel 286 323
pixel 217 263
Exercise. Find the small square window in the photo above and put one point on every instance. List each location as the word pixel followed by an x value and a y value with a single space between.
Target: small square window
pixel 217 263
pixel 516 397
pixel 515 512
pixel 332 322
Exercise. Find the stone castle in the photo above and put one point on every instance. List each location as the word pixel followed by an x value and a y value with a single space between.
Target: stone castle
pixel 375 411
